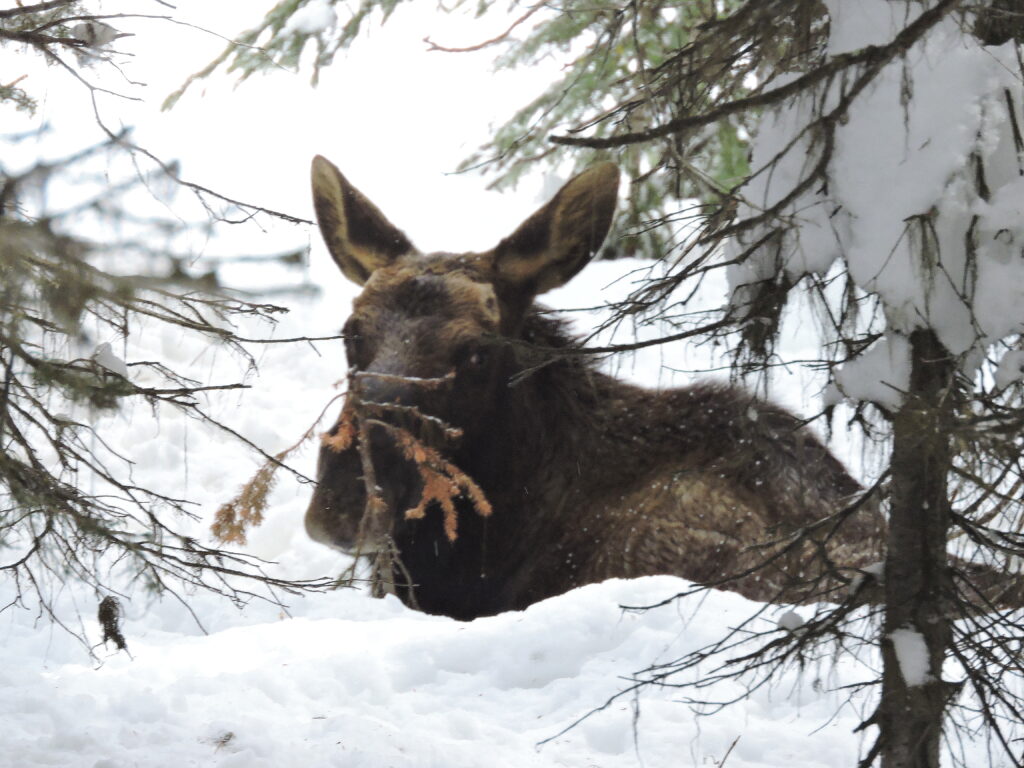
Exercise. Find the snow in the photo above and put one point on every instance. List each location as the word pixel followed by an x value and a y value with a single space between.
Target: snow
pixel 342 679
pixel 903 190
pixel 791 621
pixel 313 18
pixel 880 375
pixel 104 356
pixel 876 570
pixel 911 655
pixel 95 34
pixel 856 25
pixel 1010 368
pixel 359 682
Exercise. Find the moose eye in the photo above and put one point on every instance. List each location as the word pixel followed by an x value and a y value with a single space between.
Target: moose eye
pixel 353 341
pixel 472 357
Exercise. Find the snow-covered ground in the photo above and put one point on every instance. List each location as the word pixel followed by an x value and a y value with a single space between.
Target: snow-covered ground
pixel 352 681
pixel 342 679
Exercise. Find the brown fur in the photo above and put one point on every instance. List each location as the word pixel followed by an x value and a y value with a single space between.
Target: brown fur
pixel 589 478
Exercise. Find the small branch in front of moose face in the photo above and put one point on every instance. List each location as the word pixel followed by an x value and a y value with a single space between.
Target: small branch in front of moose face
pixel 419 381
pixel 440 425
pixel 375 527
pixel 442 483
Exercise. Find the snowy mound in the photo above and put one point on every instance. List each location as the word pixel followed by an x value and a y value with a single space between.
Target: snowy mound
pixel 342 679
pixel 352 681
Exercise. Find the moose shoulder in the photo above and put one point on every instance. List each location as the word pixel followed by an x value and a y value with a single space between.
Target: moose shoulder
pixel 585 477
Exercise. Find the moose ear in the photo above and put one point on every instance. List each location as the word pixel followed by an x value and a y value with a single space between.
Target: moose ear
pixel 556 242
pixel 357 234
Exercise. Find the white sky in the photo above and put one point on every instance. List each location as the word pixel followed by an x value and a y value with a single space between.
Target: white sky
pixel 394 117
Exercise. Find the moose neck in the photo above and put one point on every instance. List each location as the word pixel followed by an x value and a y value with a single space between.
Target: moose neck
pixel 537 430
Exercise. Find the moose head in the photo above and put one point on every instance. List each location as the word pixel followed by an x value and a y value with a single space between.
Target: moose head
pixel 430 332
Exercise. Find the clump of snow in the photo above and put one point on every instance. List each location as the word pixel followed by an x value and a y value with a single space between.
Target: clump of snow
pixel 912 656
pixel 903 198
pixel 791 621
pixel 94 34
pixel 853 26
pixel 1010 369
pixel 104 356
pixel 875 572
pixel 312 19
pixel 880 375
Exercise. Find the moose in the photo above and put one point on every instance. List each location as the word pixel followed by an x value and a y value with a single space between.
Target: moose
pixel 585 477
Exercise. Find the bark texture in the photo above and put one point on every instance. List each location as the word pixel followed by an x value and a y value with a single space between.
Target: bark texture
pixel 918 584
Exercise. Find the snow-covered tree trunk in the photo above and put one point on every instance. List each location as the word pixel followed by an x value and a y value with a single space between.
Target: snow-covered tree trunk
pixel 917 581
pixel 903 179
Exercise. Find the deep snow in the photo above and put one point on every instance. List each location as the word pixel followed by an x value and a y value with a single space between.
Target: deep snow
pixel 342 679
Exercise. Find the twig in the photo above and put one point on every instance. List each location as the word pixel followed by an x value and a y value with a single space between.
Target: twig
pixel 432 46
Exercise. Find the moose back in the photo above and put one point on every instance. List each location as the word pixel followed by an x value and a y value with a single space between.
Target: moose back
pixel 585 477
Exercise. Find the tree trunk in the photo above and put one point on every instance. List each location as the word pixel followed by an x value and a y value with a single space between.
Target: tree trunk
pixel 917 580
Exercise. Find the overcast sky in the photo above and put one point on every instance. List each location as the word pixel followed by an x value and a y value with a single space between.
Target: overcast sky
pixel 394 117
pixel 391 115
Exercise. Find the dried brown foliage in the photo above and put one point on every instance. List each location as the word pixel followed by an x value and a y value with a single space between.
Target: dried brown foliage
pixel 247 508
pixel 443 483
pixel 345 436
